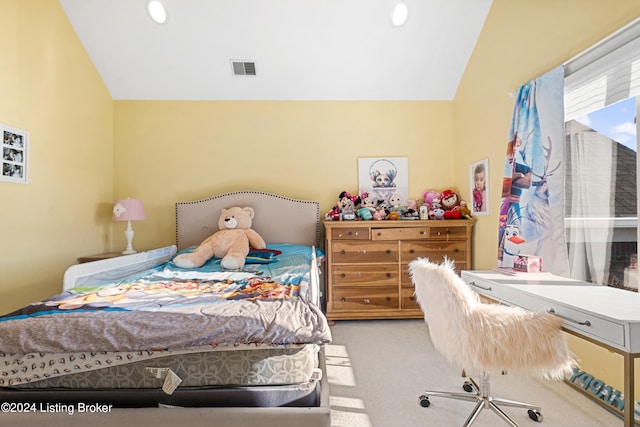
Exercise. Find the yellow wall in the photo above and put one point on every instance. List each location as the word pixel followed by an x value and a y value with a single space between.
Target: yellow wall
pixel 520 41
pixel 85 149
pixel 50 88
pixel 178 151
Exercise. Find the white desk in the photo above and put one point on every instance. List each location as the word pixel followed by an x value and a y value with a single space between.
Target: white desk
pixel 603 315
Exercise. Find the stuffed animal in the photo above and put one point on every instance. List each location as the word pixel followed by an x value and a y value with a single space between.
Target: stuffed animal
pixel 231 242
pixel 347 204
pixel 333 214
pixel 436 211
pixel 366 208
pixel 366 201
pixel 450 204
pixel 428 197
pixel 364 214
pixel 464 210
pixel 411 210
pixel 380 214
pixel 395 202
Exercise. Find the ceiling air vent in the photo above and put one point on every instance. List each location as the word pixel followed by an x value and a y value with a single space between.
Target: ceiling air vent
pixel 243 68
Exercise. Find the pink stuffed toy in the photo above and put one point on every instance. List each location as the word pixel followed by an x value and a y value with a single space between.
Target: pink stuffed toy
pixel 429 195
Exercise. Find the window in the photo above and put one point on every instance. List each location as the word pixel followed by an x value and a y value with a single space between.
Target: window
pixel 601 203
pixel 601 195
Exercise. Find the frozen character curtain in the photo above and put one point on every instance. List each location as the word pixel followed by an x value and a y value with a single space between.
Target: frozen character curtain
pixel 532 203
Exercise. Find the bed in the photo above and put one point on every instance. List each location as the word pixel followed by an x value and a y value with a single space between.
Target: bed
pixel 239 347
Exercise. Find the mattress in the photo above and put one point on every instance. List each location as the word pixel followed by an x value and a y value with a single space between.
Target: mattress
pixel 246 367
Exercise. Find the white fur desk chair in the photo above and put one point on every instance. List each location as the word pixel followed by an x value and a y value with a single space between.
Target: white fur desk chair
pixel 486 338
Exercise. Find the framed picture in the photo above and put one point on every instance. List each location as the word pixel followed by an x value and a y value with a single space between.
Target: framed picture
pixel 382 177
pixel 15 148
pixel 478 184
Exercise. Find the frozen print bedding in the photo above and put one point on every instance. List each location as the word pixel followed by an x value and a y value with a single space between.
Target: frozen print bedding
pixel 165 310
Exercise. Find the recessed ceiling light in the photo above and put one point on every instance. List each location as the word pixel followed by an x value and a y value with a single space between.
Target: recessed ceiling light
pixel 400 14
pixel 157 11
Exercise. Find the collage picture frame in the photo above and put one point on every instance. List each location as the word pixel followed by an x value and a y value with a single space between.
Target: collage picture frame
pixel 15 149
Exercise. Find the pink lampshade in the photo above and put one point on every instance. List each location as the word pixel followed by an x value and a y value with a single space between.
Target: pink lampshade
pixel 128 210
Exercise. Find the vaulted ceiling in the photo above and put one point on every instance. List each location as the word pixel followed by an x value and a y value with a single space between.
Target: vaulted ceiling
pixel 302 49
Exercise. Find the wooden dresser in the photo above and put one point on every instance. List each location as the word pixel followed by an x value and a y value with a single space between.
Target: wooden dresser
pixel 367 275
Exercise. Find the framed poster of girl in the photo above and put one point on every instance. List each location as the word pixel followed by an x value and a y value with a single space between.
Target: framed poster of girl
pixel 478 179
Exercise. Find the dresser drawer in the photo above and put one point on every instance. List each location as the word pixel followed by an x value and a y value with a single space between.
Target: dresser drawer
pixel 435 251
pixel 408 300
pixel 406 279
pixel 365 298
pixel 349 275
pixel 446 233
pixel 406 233
pixel 351 233
pixel 364 252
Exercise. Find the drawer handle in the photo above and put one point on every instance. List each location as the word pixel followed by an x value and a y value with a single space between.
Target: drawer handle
pixel 343 299
pixel 456 250
pixel 388 298
pixel 343 275
pixel 411 251
pixel 379 234
pixel 568 319
pixel 343 252
pixel 367 301
pixel 412 298
pixel 351 233
pixel 388 251
pixel 388 275
pixel 423 232
pixel 488 288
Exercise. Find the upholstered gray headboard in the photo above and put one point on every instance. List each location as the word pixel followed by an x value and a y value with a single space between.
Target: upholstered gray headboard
pixel 278 219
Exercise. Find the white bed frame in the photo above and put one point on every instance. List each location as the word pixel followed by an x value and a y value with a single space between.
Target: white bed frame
pixel 90 273
pixel 279 219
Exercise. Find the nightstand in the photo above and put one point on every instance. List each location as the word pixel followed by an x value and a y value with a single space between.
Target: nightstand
pixel 99 257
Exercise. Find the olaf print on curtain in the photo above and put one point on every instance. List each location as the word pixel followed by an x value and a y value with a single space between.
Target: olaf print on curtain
pixel 531 218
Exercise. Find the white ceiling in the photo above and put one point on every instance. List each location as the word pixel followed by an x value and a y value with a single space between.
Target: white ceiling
pixel 303 49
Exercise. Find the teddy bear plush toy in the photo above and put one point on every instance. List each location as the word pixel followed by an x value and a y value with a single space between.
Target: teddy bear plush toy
pixel 231 242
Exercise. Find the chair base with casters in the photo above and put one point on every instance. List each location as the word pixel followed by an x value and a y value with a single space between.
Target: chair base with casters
pixel 482 396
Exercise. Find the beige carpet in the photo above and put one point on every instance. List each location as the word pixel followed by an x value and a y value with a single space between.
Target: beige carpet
pixel 377 369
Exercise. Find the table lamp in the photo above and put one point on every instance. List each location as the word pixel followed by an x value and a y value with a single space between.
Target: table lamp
pixel 128 210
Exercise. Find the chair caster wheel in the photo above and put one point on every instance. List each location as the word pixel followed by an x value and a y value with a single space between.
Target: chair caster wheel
pixel 467 387
pixel 424 401
pixel 535 415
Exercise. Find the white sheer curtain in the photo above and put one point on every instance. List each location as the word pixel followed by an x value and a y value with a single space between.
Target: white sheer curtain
pixel 589 219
